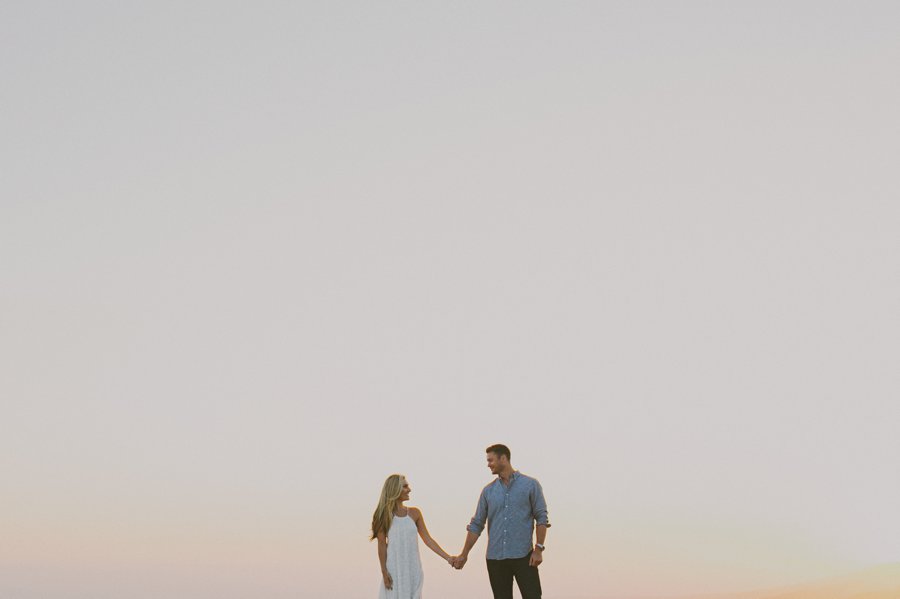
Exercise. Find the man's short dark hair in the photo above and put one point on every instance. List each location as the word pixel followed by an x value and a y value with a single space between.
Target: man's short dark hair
pixel 499 450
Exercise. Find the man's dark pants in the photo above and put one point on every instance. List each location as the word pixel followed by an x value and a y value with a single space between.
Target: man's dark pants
pixel 502 571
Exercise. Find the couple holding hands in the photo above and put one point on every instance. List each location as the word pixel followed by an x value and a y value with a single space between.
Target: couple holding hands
pixel 513 508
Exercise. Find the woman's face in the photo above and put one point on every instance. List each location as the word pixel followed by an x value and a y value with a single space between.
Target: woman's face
pixel 404 492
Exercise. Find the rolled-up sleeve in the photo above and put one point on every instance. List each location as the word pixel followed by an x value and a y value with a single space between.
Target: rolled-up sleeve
pixel 539 506
pixel 480 517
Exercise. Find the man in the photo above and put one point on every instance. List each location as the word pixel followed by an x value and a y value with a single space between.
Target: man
pixel 511 505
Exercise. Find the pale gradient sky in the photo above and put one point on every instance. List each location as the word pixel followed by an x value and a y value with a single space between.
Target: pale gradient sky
pixel 257 256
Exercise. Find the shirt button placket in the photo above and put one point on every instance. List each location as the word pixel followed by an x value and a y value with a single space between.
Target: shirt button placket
pixel 505 518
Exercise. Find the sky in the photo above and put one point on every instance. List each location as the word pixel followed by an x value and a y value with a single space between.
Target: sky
pixel 258 256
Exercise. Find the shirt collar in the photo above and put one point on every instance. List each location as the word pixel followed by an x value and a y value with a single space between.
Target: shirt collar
pixel 512 477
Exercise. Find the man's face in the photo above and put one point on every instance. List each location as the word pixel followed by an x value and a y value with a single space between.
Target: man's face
pixel 495 462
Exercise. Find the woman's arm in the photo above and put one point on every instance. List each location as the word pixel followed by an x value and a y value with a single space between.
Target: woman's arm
pixel 416 514
pixel 382 558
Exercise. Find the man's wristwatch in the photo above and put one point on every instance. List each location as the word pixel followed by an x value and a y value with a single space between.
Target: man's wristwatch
pixel 539 546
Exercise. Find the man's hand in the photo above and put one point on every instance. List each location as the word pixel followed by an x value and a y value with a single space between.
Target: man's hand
pixel 537 556
pixel 459 561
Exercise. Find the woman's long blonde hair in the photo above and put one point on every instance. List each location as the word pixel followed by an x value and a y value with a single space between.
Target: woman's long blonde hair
pixel 387 504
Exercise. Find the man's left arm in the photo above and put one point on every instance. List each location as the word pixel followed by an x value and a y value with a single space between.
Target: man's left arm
pixel 542 523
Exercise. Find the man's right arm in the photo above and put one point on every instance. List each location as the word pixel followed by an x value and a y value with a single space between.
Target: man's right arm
pixel 463 557
pixel 473 531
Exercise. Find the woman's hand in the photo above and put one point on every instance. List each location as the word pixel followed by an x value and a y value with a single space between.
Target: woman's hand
pixel 388 581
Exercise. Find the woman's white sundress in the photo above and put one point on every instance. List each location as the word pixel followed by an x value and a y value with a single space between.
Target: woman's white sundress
pixel 403 563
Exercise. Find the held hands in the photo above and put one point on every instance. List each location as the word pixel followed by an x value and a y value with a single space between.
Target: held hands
pixel 458 561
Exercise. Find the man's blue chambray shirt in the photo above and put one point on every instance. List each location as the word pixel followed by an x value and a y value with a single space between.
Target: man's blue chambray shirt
pixel 511 513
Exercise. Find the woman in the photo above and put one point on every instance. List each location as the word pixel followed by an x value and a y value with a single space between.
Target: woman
pixel 395 526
